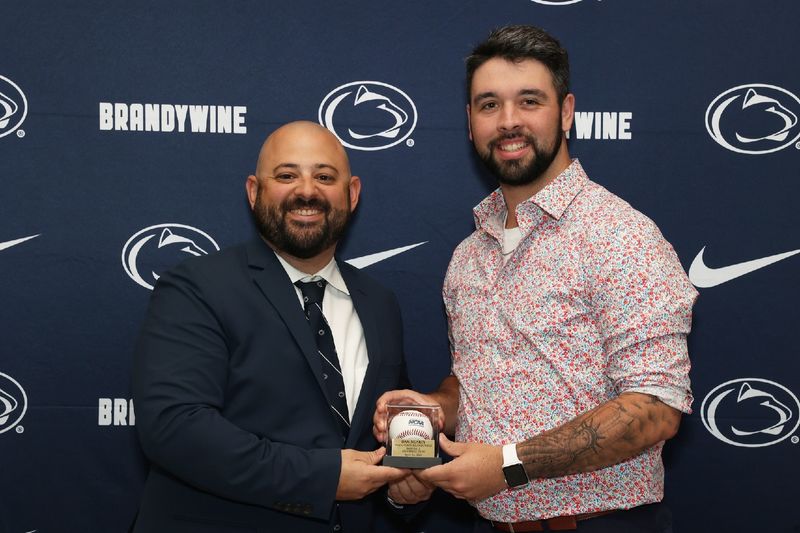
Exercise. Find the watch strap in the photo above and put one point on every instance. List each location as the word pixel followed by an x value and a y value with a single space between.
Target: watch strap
pixel 510 455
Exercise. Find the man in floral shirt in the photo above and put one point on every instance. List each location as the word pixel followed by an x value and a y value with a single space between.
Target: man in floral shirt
pixel 568 315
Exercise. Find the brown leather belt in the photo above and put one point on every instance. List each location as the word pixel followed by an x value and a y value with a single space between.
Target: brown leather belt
pixel 558 523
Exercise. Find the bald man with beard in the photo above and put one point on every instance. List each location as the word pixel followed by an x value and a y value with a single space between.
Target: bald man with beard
pixel 235 407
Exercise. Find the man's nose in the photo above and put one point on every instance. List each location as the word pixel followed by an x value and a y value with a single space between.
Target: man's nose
pixel 509 119
pixel 306 187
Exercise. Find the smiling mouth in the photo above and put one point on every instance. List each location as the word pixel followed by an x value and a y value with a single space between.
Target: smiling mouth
pixel 306 212
pixel 512 146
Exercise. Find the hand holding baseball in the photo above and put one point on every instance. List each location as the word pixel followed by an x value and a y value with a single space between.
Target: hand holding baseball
pixel 475 473
pixel 405 396
pixel 361 474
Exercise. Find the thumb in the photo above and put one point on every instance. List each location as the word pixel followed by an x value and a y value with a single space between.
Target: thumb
pixel 374 457
pixel 453 449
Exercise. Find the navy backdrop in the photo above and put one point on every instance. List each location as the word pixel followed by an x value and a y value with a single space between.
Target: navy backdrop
pixel 127 130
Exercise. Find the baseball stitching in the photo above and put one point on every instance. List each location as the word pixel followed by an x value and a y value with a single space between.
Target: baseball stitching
pixel 413 432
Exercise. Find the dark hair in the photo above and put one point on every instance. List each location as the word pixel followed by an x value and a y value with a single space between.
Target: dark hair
pixel 518 43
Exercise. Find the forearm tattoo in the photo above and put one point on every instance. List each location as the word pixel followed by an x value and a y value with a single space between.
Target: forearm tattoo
pixel 601 437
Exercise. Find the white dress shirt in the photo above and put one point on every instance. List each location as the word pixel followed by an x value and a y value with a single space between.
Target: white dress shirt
pixel 348 334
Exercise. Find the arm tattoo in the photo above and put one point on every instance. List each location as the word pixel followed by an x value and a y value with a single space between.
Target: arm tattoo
pixel 606 435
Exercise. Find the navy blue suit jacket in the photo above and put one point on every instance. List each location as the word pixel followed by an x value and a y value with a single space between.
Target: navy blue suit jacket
pixel 230 404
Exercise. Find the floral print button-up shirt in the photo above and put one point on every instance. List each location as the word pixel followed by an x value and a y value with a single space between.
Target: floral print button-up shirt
pixel 592 303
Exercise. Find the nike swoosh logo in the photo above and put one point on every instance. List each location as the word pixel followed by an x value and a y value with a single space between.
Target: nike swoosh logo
pixel 371 259
pixel 704 277
pixel 9 244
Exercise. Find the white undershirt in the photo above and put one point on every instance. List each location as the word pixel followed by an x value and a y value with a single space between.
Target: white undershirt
pixel 348 334
pixel 511 238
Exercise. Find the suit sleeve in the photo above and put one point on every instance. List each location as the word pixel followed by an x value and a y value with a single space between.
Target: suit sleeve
pixel 179 378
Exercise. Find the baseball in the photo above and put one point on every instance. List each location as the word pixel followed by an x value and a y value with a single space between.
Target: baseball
pixel 410 425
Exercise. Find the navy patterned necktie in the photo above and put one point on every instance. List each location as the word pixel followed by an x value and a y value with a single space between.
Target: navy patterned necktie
pixel 313 292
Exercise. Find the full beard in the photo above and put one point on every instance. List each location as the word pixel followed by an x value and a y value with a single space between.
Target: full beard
pixel 517 172
pixel 299 239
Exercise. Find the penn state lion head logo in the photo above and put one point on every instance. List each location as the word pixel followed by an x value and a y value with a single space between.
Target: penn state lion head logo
pixel 13 402
pixel 751 412
pixel 13 107
pixel 754 119
pixel 157 248
pixel 368 115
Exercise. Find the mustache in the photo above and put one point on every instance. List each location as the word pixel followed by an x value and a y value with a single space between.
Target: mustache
pixel 311 203
pixel 511 135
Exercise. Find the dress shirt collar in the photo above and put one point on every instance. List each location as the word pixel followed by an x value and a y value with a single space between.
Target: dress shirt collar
pixel 329 273
pixel 552 201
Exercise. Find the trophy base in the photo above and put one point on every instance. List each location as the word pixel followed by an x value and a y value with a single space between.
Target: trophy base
pixel 411 462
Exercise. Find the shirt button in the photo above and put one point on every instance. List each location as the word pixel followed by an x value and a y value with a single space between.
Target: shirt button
pixel 305 298
pixel 341 394
pixel 321 332
pixel 337 527
pixel 319 284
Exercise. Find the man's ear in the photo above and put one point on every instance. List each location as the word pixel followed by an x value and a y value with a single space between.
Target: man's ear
pixel 251 185
pixel 469 123
pixel 355 192
pixel 568 112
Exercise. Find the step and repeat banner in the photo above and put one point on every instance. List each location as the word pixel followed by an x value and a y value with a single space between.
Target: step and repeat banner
pixel 127 130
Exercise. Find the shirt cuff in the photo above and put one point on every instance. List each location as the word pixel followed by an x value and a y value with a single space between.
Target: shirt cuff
pixel 676 398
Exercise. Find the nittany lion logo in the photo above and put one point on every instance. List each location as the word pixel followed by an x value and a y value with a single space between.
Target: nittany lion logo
pixel 751 412
pixel 368 115
pixel 13 402
pixel 157 248
pixel 754 119
pixel 13 107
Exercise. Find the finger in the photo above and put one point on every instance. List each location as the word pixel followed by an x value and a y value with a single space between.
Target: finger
pixel 379 420
pixel 379 417
pixel 377 455
pixel 379 427
pixel 453 449
pixel 388 474
pixel 373 457
pixel 433 475
pixel 399 492
pixel 422 481
pixel 406 396
pixel 395 494
pixel 393 396
pixel 420 490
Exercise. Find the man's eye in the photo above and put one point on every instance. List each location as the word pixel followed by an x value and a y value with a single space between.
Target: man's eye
pixel 325 177
pixel 284 177
pixel 489 106
pixel 530 101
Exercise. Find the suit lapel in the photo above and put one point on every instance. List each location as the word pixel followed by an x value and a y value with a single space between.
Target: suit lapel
pixel 367 315
pixel 275 285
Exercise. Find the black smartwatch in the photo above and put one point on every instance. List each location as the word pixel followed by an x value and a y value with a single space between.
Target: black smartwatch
pixel 513 470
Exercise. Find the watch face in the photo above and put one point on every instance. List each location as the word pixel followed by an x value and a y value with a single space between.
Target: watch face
pixel 515 475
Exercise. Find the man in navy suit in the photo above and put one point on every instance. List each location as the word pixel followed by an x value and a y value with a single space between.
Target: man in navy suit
pixel 234 405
